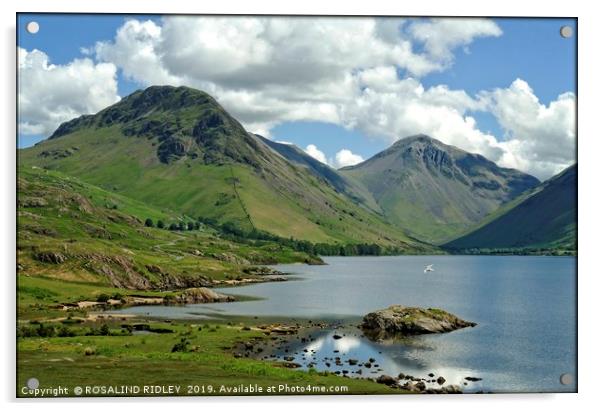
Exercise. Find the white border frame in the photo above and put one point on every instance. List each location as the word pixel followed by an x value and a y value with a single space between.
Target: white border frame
pixel 589 70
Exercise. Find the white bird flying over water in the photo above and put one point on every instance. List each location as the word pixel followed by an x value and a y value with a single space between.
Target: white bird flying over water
pixel 429 268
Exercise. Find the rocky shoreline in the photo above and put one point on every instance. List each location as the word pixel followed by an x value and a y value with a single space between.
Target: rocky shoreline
pixel 295 346
pixel 285 341
pixel 199 295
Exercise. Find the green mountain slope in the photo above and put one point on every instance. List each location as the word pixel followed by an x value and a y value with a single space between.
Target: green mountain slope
pixel 72 231
pixel 544 218
pixel 178 150
pixel 435 191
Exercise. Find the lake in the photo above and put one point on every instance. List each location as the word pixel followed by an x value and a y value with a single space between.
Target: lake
pixel 525 308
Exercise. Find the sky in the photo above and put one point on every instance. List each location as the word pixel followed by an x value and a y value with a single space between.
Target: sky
pixel 342 89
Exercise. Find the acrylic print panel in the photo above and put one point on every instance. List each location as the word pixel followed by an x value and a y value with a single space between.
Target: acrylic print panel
pixel 221 205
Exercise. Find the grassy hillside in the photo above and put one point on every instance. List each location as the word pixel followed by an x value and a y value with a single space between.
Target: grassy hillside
pixel 72 231
pixel 542 220
pixel 435 191
pixel 177 150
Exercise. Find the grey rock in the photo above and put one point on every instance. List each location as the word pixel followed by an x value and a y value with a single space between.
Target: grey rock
pixel 386 379
pixel 401 320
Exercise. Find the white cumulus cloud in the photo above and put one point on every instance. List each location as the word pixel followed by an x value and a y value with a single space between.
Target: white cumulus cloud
pixel 268 70
pixel 342 158
pixel 345 158
pixel 135 49
pixel 50 94
pixel 441 36
pixel 539 138
pixel 316 153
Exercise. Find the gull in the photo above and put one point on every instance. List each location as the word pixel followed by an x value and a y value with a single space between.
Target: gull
pixel 429 268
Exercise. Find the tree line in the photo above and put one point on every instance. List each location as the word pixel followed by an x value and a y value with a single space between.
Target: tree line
pixel 513 251
pixel 179 226
pixel 231 231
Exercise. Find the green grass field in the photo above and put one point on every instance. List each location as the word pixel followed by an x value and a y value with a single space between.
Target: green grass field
pixel 206 366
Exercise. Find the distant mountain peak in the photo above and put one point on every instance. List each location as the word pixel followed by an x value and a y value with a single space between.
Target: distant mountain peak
pixel 139 105
pixel 432 189
pixel 416 138
pixel 419 149
pixel 167 98
pixel 421 141
pixel 427 150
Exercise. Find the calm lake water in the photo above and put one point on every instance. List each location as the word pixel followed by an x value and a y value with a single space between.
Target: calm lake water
pixel 525 308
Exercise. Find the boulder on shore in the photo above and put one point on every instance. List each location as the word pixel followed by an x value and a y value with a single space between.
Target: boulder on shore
pixel 387 380
pixel 202 295
pixel 401 320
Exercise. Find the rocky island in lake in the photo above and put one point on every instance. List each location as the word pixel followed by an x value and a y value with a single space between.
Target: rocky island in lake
pixel 401 320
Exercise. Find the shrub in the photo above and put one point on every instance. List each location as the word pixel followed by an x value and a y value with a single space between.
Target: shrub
pixel 72 320
pixel 46 331
pixel 181 346
pixel 160 224
pixel 25 332
pixel 104 330
pixel 149 223
pixel 66 332
pixel 103 298
pixel 117 296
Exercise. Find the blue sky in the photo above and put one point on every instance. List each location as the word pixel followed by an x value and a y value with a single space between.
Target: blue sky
pixel 529 49
pixel 62 36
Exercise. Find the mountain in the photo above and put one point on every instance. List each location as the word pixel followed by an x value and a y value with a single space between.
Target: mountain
pixel 435 191
pixel 544 218
pixel 177 149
